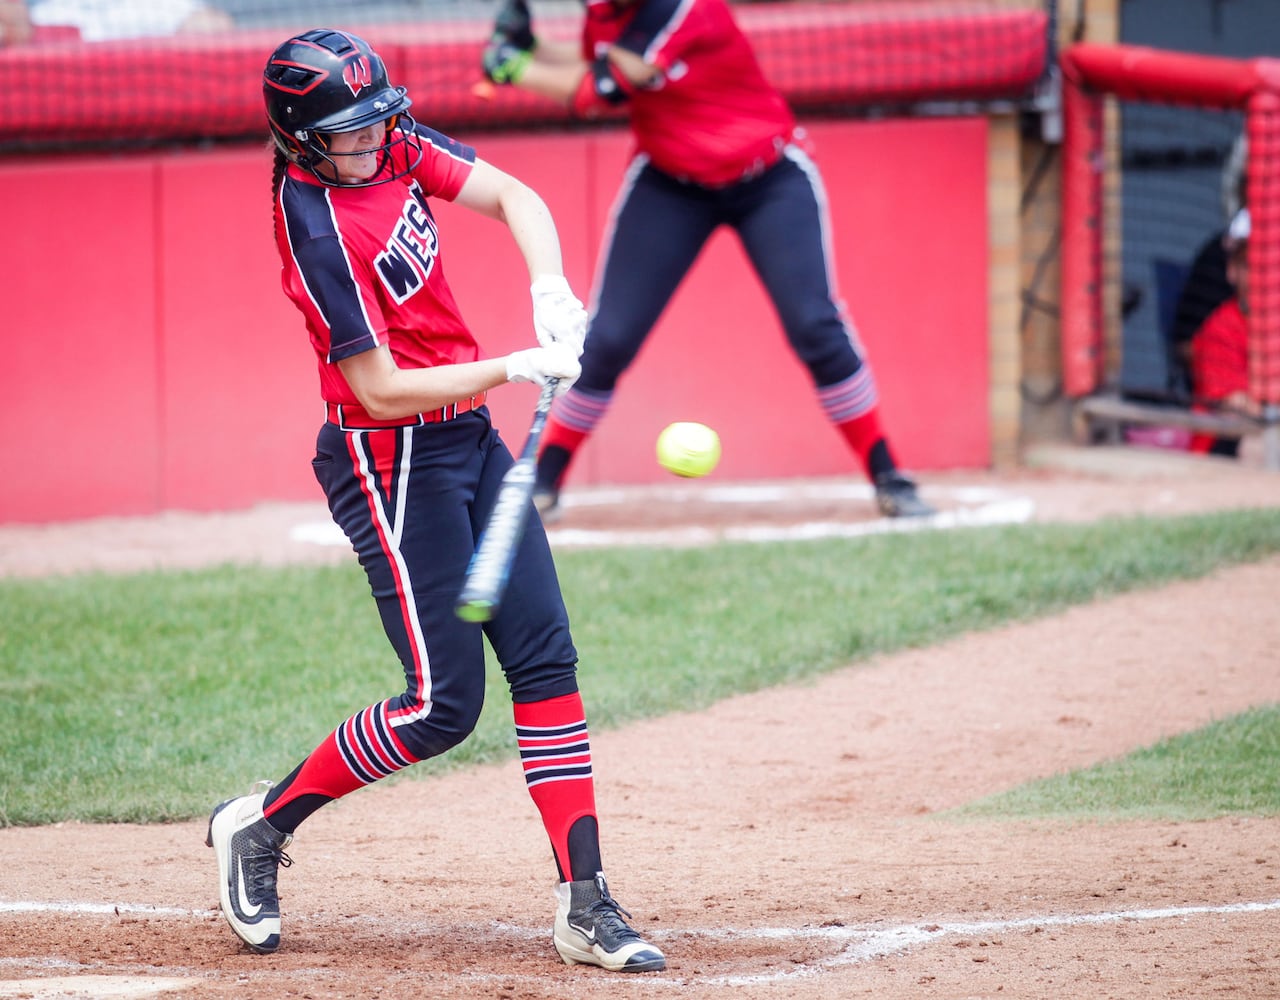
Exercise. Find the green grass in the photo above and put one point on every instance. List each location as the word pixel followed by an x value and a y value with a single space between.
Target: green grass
pixel 144 697
pixel 1231 766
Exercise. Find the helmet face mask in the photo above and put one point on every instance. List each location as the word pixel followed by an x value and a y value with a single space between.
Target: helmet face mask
pixel 324 82
pixel 324 163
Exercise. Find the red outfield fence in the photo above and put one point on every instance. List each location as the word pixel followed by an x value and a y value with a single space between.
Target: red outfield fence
pixel 1091 73
pixel 820 54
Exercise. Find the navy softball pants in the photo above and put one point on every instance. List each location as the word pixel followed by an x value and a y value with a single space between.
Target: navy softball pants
pixel 660 225
pixel 412 500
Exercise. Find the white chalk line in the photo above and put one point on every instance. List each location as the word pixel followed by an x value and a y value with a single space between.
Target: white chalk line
pixel 977 506
pixel 93 987
pixel 855 944
pixel 100 909
pixel 867 945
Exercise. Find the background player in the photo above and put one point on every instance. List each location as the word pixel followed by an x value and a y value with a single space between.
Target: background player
pixel 716 145
pixel 410 464
pixel 1220 348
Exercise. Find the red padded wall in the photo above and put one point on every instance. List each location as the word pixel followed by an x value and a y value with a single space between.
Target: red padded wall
pixel 239 393
pixel 79 432
pixel 152 362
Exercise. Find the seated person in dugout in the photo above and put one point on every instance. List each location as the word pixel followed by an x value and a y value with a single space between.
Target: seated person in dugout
pixel 1220 348
pixel 1207 286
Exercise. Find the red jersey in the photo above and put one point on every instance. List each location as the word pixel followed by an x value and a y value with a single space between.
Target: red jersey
pixel 1219 360
pixel 712 116
pixel 1220 353
pixel 363 264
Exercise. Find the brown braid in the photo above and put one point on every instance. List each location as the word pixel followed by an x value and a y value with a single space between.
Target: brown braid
pixel 278 168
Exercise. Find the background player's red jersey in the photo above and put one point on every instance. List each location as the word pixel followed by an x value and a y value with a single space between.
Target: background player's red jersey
pixel 713 117
pixel 1220 360
pixel 1220 353
pixel 363 264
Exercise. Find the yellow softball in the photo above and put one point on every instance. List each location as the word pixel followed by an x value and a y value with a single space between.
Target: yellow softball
pixel 688 449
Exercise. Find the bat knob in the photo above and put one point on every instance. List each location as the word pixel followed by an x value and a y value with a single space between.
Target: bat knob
pixel 474 611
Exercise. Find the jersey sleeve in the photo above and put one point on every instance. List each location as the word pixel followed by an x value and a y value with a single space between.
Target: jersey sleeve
pixel 446 163
pixel 662 31
pixel 321 278
pixel 342 303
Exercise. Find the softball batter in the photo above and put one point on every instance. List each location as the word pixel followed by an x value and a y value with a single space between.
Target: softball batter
pixel 716 145
pixel 410 464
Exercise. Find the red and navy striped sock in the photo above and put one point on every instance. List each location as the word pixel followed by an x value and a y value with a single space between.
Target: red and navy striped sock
pixel 555 752
pixel 357 753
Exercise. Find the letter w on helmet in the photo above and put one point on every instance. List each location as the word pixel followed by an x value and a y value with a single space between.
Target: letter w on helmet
pixel 358 75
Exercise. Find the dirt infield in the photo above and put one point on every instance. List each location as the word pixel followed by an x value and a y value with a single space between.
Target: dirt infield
pixel 782 844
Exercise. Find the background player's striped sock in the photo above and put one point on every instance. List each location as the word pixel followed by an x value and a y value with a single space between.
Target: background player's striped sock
pixel 572 420
pixel 853 406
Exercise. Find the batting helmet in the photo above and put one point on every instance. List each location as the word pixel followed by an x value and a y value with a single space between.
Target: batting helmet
pixel 325 81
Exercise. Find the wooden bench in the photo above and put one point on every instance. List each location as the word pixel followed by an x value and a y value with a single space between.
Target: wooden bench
pixel 1102 419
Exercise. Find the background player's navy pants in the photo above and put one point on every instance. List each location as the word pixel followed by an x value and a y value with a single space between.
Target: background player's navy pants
pixel 412 500
pixel 659 227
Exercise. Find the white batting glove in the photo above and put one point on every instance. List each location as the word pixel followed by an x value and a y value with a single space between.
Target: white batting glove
pixel 558 316
pixel 541 364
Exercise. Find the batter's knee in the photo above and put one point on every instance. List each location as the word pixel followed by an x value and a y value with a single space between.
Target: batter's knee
pixel 543 682
pixel 826 350
pixel 441 728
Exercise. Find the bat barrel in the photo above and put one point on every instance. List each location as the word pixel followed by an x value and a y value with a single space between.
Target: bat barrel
pixel 490 567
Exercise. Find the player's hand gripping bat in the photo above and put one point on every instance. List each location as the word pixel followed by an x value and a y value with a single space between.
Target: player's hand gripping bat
pixel 490 567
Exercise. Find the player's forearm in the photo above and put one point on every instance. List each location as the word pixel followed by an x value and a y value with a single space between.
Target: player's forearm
pixel 557 51
pixel 1242 402
pixel 388 392
pixel 554 77
pixel 533 229
pixel 15 23
pixel 498 195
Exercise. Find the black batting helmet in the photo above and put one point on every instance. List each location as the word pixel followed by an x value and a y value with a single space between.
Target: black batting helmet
pixel 325 81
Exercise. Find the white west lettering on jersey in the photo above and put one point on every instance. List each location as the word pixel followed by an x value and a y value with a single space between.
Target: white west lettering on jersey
pixel 410 256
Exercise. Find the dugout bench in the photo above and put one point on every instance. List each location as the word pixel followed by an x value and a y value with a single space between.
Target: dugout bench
pixel 1102 418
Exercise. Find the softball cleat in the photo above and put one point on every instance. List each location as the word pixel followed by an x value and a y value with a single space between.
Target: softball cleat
pixel 590 930
pixel 547 504
pixel 249 852
pixel 896 496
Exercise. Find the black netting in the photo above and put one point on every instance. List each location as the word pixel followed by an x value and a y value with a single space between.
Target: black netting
pixel 1179 188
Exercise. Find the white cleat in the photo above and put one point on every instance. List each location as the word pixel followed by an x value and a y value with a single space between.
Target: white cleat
pixel 249 852
pixel 590 930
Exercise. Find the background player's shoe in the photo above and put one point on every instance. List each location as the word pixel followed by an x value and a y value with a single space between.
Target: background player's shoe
pixel 249 852
pixel 896 496
pixel 547 503
pixel 590 930
pixel 552 463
